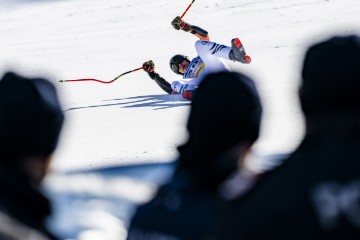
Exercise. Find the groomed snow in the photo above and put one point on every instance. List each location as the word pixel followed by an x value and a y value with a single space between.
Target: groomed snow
pixel 132 120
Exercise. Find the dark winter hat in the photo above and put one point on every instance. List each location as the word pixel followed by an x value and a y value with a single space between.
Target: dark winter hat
pixel 30 116
pixel 331 77
pixel 226 110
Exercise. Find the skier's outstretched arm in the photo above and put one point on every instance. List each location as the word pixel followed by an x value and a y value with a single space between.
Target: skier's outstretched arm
pixel 178 24
pixel 149 67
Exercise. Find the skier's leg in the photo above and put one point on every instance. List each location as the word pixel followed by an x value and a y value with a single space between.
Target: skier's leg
pixel 208 51
pixel 212 55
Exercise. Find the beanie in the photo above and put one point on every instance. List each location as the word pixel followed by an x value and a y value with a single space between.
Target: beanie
pixel 331 77
pixel 30 116
pixel 226 110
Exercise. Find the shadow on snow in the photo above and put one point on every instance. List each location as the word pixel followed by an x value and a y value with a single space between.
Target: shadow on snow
pixel 159 101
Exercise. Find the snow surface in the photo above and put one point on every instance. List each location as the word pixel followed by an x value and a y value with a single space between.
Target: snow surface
pixel 132 120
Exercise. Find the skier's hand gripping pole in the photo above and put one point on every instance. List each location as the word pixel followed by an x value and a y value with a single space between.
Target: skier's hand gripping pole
pixel 149 66
pixel 178 23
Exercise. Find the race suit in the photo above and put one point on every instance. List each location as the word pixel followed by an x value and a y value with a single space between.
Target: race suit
pixel 210 58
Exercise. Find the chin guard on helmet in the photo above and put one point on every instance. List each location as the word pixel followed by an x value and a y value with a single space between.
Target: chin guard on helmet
pixel 176 60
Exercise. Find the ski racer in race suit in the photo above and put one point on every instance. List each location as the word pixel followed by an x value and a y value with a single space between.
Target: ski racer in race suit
pixel 210 59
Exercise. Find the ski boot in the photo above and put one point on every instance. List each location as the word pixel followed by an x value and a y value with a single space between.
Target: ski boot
pixel 188 91
pixel 238 53
pixel 188 94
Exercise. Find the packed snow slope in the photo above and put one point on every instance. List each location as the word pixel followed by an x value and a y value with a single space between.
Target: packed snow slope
pixel 132 120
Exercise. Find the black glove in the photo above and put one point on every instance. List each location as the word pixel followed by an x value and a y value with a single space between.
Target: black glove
pixel 178 23
pixel 149 66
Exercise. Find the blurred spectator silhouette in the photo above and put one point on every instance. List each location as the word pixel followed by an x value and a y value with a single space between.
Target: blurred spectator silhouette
pixel 30 123
pixel 315 193
pixel 223 124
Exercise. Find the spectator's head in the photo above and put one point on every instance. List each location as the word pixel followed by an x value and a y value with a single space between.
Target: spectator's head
pixel 30 122
pixel 224 122
pixel 331 78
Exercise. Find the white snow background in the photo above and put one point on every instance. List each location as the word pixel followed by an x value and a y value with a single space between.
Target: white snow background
pixel 132 120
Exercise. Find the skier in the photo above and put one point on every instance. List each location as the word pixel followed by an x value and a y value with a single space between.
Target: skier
pixel 210 59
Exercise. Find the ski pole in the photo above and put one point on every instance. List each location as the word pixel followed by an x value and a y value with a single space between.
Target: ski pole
pixel 100 81
pixel 187 9
pixel 136 69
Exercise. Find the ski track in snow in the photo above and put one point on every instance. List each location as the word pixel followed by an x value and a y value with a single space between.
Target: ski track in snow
pixel 132 120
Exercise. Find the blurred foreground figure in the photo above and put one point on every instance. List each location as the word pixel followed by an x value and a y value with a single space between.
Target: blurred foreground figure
pixel 223 124
pixel 30 124
pixel 315 194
